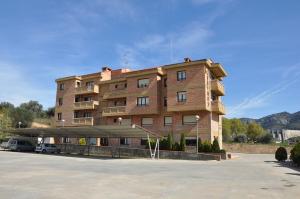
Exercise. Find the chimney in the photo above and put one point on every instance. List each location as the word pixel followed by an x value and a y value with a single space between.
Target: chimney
pixel 105 68
pixel 187 59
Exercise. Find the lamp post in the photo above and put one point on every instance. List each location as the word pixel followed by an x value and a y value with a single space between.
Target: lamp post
pixel 197 120
pixel 120 120
pixel 19 124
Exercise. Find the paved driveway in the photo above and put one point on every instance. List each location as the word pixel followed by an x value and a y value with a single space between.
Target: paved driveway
pixel 25 175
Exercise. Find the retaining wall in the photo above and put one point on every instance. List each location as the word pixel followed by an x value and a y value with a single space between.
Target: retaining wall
pixel 124 152
pixel 252 148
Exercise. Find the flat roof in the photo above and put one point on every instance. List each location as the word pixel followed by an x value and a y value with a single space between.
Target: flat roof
pixel 111 131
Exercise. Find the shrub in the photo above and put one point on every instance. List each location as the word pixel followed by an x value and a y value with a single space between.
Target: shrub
pixel 200 146
pixel 163 144
pixel 295 154
pixel 206 147
pixel 152 143
pixel 266 138
pixel 240 138
pixel 170 142
pixel 281 154
pixel 176 146
pixel 215 147
pixel 182 142
pixel 222 151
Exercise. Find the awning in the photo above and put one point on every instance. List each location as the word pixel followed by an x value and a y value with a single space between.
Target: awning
pixel 111 131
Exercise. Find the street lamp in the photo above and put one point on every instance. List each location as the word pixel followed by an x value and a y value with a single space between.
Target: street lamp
pixel 197 120
pixel 19 124
pixel 120 120
pixel 63 123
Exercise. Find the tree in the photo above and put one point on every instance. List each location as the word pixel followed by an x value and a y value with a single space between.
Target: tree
pixel 254 131
pixel 50 112
pixel 21 115
pixel 215 147
pixel 237 127
pixel 6 105
pixel 34 107
pixel 182 142
pixel 170 142
pixel 226 131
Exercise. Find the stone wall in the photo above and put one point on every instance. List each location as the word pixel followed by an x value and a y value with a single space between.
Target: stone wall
pixel 252 148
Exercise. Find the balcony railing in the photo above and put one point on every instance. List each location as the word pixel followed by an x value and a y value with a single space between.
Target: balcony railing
pixel 217 106
pixel 114 111
pixel 87 89
pixel 83 121
pixel 85 105
pixel 217 87
pixel 117 93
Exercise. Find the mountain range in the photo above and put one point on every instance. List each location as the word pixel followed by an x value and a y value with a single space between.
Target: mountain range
pixel 283 120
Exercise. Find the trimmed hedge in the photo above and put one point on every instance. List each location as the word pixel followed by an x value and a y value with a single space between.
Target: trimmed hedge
pixel 281 154
pixel 295 154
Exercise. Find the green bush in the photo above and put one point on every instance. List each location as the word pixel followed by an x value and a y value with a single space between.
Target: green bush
pixel 170 142
pixel 206 147
pixel 163 144
pixel 182 142
pixel 266 138
pixel 295 154
pixel 200 146
pixel 222 151
pixel 176 147
pixel 215 147
pixel 281 154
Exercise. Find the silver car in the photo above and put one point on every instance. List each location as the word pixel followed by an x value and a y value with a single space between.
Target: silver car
pixel 20 145
pixel 46 148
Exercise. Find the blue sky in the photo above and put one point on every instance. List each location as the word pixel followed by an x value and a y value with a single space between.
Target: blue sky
pixel 257 42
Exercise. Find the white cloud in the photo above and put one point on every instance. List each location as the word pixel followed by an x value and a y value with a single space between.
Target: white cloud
pixel 261 99
pixel 17 87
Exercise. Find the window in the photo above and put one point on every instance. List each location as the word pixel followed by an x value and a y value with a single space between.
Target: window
pixel 116 86
pixel 77 99
pixel 78 84
pixel 87 99
pixel 124 141
pixel 103 141
pixel 189 119
pixel 76 114
pixel 147 121
pixel 61 87
pixel 144 142
pixel 142 101
pixel 59 116
pixel 60 101
pixel 165 82
pixel 115 103
pixel 168 120
pixel 87 114
pixel 142 83
pixel 89 84
pixel 191 141
pixel 181 75
pixel 165 101
pixel 181 96
pixel 125 85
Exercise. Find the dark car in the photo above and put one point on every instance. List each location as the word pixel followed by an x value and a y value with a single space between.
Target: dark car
pixel 21 145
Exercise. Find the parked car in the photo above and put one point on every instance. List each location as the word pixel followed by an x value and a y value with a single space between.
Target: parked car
pixel 20 145
pixel 47 148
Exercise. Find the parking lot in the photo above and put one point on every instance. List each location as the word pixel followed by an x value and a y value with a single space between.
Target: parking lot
pixel 28 175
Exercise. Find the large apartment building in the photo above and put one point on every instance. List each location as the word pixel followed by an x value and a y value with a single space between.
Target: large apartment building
pixel 163 99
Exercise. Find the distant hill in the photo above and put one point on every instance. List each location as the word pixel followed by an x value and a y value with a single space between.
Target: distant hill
pixel 283 120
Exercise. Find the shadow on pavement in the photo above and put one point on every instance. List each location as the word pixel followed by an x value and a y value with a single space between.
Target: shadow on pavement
pixel 287 164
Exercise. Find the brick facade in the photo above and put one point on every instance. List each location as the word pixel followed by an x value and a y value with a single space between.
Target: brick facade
pixel 113 94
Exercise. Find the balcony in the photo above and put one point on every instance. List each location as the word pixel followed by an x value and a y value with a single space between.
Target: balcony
pixel 87 89
pixel 217 87
pixel 117 93
pixel 217 106
pixel 85 105
pixel 86 121
pixel 114 111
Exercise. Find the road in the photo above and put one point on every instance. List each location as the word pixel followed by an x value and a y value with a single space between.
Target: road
pixel 26 175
